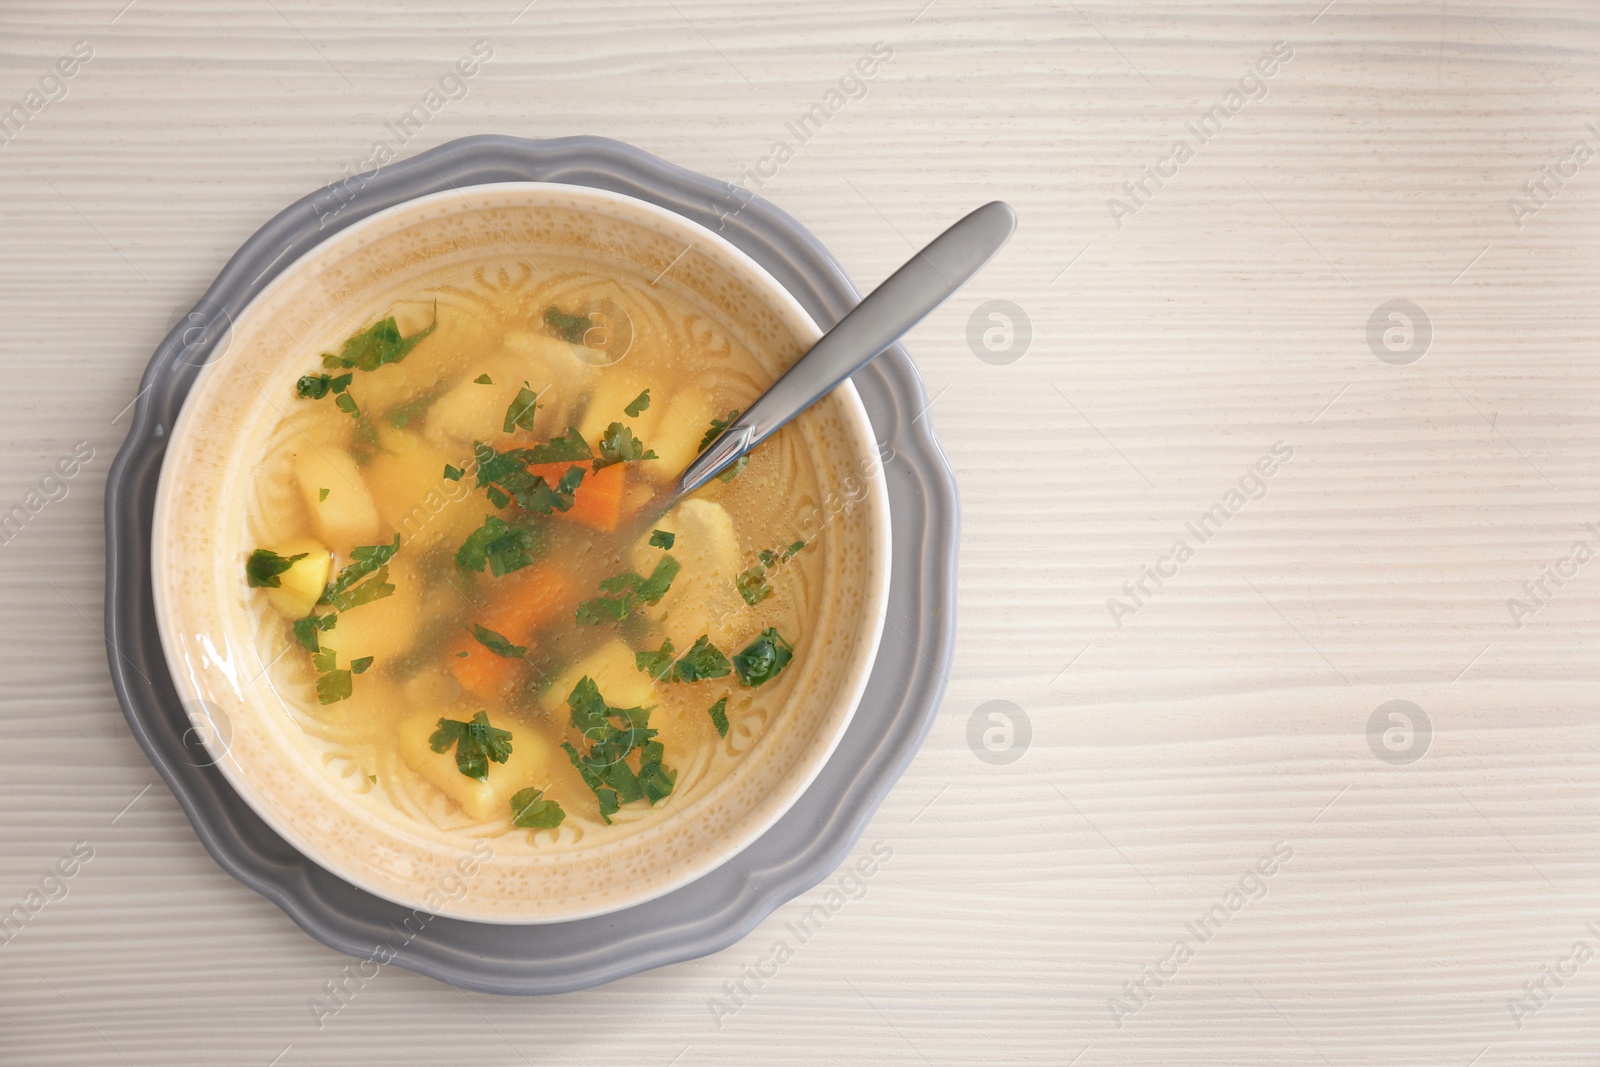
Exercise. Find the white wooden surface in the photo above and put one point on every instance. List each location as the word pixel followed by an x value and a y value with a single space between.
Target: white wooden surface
pixel 1167 756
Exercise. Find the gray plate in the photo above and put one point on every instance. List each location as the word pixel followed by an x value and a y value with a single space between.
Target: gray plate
pixel 711 913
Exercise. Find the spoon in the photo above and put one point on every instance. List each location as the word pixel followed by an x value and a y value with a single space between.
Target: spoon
pixel 906 297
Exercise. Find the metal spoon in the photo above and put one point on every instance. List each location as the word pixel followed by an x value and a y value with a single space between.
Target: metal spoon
pixel 902 301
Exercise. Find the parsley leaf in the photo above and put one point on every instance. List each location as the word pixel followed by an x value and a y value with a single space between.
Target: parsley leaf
pixel 317 386
pixel 703 660
pixel 344 593
pixel 569 328
pixel 612 735
pixel 662 539
pixel 531 811
pixel 377 345
pixel 497 643
pixel 569 447
pixel 401 415
pixel 719 716
pixel 633 591
pixel 763 659
pixel 497 544
pixel 522 410
pixel 322 494
pixel 261 570
pixel 476 744
pixel 618 445
pixel 333 684
pixel 306 630
pixel 359 666
pixel 453 473
pixel 483 379
pixel 717 426
pixel 640 404
pixel 752 585
pixel 504 477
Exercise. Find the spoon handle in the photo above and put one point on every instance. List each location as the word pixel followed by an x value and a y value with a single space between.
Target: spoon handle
pixel 902 301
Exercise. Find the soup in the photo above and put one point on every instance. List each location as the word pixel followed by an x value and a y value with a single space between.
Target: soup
pixel 454 585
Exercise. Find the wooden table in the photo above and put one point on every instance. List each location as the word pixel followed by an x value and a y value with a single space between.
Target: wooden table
pixel 1087 888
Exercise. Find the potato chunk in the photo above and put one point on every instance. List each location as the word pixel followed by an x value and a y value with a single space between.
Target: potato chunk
pixel 614 673
pixel 344 516
pixel 301 585
pixel 530 763
pixel 682 422
pixel 703 598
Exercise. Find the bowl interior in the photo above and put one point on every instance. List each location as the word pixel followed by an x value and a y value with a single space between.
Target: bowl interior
pixel 301 782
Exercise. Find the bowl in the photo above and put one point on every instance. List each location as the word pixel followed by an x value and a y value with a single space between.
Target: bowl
pixel 303 785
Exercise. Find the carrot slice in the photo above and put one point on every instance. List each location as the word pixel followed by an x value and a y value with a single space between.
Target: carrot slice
pixel 519 604
pixel 598 499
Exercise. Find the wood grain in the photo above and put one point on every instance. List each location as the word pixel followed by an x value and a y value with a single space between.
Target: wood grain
pixel 1228 713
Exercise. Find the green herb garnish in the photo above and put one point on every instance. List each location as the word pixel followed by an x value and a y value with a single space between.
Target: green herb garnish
pixel 640 404
pixel 452 473
pixel 497 643
pixel 752 582
pixel 531 811
pixel 378 345
pixel 569 328
pixel 476 744
pixel 612 735
pixel 322 494
pixel 631 592
pixel 662 539
pixel 618 445
pixel 763 659
pixel 344 592
pixel 359 666
pixel 483 379
pixel 521 413
pixel 703 660
pixel 499 545
pixel 570 447
pixel 717 426
pixel 306 629
pixel 504 477
pixel 333 684
pixel 719 716
pixel 261 570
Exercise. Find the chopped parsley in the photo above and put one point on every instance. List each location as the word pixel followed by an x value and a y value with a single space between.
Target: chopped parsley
pixel 612 736
pixel 333 684
pixel 505 477
pixel 618 445
pixel 317 386
pixel 719 716
pixel 476 744
pixel 717 426
pixel 306 629
pixel 483 379
pixel 640 404
pixel 752 582
pixel 631 591
pixel 322 494
pixel 570 447
pixel 264 566
pixel 763 659
pixel 349 589
pixel 703 660
pixel 453 473
pixel 359 666
pixel 531 811
pixel 501 546
pixel 521 413
pixel 569 328
pixel 378 345
pixel 662 539
pixel 498 643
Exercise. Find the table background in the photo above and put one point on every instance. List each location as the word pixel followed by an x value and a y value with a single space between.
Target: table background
pixel 1158 752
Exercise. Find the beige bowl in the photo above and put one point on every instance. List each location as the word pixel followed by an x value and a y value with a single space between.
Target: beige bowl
pixel 226 655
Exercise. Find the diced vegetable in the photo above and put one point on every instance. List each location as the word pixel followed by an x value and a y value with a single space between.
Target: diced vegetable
pixel 531 761
pixel 613 670
pixel 300 586
pixel 346 515
pixel 598 501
